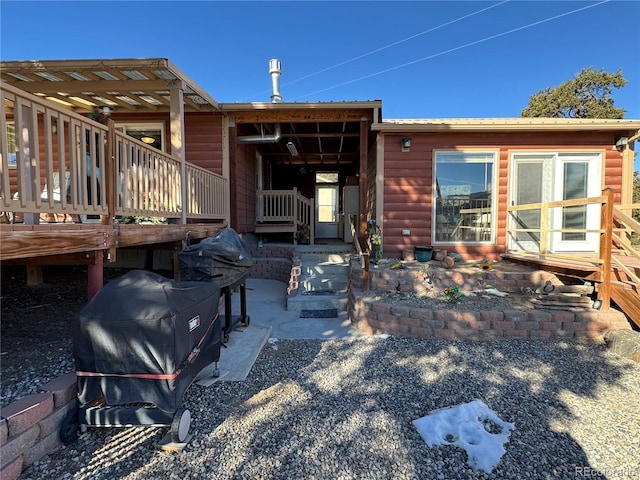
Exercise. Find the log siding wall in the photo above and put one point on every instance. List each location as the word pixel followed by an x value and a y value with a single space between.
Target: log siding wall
pixel 408 179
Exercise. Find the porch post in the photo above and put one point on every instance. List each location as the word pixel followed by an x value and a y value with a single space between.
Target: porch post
pixel 95 275
pixel 361 231
pixel 177 142
pixel 628 156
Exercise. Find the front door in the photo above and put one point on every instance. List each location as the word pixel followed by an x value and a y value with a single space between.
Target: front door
pixel 327 195
pixel 541 178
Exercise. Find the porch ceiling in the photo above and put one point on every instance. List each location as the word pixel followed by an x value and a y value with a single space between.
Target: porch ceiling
pixel 322 133
pixel 125 84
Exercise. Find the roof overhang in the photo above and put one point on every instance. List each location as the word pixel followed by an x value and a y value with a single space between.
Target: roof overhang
pixel 122 84
pixel 505 125
pixel 323 133
pixel 232 107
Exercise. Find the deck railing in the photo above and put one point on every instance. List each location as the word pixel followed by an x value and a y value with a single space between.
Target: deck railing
pixel 282 211
pixel 283 206
pixel 59 164
pixel 616 228
pixel 625 231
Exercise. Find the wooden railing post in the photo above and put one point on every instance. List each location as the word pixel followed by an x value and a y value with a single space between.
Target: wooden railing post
pixel 606 238
pixel 544 228
pixel 110 174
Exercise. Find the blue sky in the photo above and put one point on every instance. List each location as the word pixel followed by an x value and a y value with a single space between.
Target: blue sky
pixel 423 59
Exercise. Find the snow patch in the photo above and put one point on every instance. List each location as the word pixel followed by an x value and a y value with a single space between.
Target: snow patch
pixel 472 426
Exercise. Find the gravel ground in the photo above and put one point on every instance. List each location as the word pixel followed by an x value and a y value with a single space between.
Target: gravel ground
pixel 343 410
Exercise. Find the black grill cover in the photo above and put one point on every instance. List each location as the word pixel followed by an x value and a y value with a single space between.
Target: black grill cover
pixel 223 259
pixel 144 323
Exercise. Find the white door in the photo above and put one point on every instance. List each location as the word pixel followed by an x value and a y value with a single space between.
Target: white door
pixel 577 176
pixel 326 211
pixel 540 178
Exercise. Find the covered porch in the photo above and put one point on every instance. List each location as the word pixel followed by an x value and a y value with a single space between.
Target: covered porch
pixel 77 189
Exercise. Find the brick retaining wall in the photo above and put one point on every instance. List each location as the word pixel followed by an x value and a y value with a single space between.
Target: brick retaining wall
pixel 34 426
pixel 372 316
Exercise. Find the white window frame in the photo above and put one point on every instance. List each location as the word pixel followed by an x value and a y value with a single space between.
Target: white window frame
pixel 553 191
pixel 466 156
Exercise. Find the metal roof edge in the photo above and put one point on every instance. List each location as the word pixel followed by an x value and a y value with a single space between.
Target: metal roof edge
pixel 231 107
pixel 496 124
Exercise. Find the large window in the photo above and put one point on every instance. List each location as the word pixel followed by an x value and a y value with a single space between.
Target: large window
pixel 464 198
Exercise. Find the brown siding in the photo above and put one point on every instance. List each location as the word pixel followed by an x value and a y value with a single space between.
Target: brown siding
pixel 202 131
pixel 203 140
pixel 408 179
pixel 244 191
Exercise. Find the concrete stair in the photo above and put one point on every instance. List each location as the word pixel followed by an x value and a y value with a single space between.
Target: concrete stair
pixel 323 280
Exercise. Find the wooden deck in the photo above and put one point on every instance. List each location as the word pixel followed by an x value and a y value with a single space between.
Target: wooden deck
pixel 107 175
pixel 615 269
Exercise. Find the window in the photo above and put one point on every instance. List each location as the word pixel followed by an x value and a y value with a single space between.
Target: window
pixel 464 199
pixel 150 133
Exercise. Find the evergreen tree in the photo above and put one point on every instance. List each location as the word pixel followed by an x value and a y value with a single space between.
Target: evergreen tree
pixel 587 95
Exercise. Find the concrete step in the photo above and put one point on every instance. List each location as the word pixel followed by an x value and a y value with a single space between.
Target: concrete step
pixel 324 269
pixel 304 301
pixel 338 248
pixel 332 258
pixel 323 281
pixel 310 283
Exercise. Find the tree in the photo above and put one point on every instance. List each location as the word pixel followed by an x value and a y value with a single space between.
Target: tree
pixel 587 95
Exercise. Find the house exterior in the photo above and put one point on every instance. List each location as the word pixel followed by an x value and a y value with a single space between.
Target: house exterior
pixel 444 183
pixel 451 187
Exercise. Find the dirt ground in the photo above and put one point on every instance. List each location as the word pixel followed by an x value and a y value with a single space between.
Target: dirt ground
pixel 37 325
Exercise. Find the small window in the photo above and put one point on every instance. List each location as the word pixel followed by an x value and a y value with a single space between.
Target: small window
pixel 464 198
pixel 327 177
pixel 150 133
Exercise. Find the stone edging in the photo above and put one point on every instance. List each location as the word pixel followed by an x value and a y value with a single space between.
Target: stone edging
pixel 372 317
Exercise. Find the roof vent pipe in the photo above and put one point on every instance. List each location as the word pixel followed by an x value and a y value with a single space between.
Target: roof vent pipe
pixel 274 71
pixel 275 138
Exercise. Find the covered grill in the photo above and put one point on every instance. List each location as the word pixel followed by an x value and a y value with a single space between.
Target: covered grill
pixel 224 260
pixel 139 344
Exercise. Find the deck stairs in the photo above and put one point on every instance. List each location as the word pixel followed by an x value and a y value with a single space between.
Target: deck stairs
pixel 624 291
pixel 323 281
